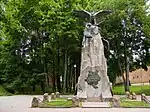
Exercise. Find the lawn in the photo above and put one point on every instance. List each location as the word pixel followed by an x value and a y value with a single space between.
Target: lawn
pixel 137 89
pixel 59 102
pixel 132 103
pixel 3 92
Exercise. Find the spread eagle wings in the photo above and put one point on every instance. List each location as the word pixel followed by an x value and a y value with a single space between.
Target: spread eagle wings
pixel 98 15
pixel 89 15
pixel 83 14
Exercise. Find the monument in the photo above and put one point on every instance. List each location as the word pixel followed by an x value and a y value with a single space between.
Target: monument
pixel 93 81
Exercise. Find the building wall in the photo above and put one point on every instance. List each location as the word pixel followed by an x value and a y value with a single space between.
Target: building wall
pixel 138 76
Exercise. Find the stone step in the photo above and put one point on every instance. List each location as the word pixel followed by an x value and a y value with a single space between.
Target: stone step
pixel 96 105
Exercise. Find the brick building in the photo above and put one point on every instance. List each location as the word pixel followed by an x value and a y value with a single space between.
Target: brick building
pixel 140 76
pixel 137 76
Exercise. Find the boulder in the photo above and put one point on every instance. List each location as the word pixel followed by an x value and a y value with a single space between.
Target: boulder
pixel 75 101
pixel 127 94
pixel 57 95
pixel 134 96
pixel 45 97
pixel 144 98
pixel 52 96
pixel 35 102
pixel 115 102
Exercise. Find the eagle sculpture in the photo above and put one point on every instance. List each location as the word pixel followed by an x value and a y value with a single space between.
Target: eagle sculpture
pixel 92 18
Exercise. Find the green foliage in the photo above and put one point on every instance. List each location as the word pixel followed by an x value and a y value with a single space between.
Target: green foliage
pixel 3 92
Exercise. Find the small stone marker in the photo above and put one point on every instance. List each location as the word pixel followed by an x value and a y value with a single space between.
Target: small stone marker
pixel 45 97
pixel 127 94
pixel 57 95
pixel 134 96
pixel 144 98
pixel 35 102
pixel 52 96
pixel 115 102
pixel 75 101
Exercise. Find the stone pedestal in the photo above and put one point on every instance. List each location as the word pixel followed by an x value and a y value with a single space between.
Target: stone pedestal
pixel 93 81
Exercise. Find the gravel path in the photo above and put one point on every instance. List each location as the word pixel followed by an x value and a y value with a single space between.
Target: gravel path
pixel 22 103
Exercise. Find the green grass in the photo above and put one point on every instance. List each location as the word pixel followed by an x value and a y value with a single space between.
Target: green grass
pixel 60 99
pixel 59 102
pixel 137 89
pixel 130 103
pixel 3 92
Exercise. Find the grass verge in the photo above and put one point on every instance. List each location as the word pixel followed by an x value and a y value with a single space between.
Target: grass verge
pixel 3 92
pixel 59 102
pixel 119 90
pixel 125 102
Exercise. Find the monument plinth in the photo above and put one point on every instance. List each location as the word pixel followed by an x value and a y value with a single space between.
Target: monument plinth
pixel 93 82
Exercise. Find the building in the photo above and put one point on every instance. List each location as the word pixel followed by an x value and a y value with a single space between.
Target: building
pixel 137 76
pixel 140 76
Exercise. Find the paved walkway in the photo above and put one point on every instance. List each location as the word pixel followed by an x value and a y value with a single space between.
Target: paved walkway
pixel 22 103
pixel 95 104
pixel 140 84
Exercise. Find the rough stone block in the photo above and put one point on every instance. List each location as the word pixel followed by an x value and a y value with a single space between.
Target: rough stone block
pixel 144 98
pixel 134 96
pixel 45 97
pixel 115 102
pixel 93 80
pixel 57 95
pixel 127 94
pixel 75 101
pixel 53 96
pixel 35 102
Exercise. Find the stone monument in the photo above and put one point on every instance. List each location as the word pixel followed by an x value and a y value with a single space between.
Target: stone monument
pixel 93 82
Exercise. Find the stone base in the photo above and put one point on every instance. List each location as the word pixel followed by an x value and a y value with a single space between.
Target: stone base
pixel 107 99
pixel 95 99
pixel 82 99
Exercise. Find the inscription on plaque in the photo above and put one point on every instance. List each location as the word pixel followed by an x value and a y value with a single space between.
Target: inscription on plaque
pixel 93 79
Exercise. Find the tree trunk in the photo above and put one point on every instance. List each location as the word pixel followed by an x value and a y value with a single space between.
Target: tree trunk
pixel 65 74
pixel 33 88
pixel 53 76
pixel 70 77
pixel 126 67
pixel 121 72
pixel 58 62
pixel 42 87
pixel 53 73
pixel 127 74
pixel 67 78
